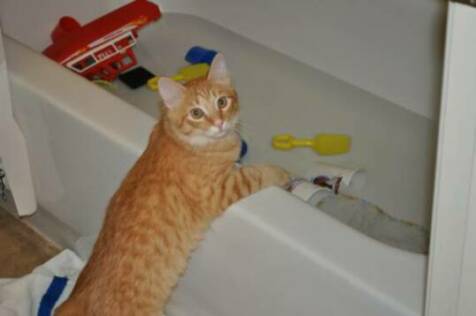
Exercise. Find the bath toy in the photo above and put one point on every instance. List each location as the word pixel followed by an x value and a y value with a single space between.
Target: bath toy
pixel 349 181
pixel 136 77
pixel 105 84
pixel 243 150
pixel 102 48
pixel 185 74
pixel 308 191
pixel 324 144
pixel 198 54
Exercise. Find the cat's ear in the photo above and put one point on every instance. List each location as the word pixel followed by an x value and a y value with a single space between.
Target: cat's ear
pixel 172 92
pixel 218 72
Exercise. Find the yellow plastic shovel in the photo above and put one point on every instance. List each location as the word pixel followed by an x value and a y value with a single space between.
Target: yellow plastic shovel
pixel 185 74
pixel 323 144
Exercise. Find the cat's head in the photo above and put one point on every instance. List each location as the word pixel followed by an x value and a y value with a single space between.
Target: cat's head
pixel 204 110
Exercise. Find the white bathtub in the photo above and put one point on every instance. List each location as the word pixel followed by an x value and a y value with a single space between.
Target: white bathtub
pixel 271 254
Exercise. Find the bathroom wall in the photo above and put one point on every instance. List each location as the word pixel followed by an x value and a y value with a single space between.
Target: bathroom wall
pixel 392 48
pixel 31 21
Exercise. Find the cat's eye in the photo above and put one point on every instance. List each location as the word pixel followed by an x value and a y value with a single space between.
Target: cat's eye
pixel 222 102
pixel 196 113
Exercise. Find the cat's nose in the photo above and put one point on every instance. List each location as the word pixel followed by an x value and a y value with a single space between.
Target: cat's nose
pixel 219 124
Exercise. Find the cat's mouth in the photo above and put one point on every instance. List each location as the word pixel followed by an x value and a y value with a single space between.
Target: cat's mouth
pixel 217 133
pixel 221 133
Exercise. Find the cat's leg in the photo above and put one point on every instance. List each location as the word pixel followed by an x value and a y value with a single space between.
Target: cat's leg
pixel 265 175
pixel 247 180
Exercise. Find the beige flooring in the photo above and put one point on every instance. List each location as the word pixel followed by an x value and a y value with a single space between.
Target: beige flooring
pixel 21 248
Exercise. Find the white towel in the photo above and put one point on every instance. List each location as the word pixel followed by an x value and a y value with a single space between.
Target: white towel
pixel 22 296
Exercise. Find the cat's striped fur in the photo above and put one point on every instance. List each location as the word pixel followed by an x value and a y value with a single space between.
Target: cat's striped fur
pixel 166 202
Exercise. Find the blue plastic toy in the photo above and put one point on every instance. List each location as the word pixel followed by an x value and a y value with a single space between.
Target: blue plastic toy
pixel 198 54
pixel 243 150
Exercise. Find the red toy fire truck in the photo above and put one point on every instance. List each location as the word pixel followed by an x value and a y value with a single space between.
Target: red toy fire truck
pixel 101 49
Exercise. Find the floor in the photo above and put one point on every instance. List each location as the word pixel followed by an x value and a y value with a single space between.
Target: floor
pixel 21 248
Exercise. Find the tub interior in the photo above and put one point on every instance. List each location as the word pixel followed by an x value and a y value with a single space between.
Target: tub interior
pixel 395 146
pixel 278 94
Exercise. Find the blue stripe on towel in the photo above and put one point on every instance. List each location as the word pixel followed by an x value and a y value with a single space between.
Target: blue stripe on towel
pixel 49 299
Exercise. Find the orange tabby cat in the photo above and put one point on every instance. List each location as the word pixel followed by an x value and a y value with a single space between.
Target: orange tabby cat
pixel 184 179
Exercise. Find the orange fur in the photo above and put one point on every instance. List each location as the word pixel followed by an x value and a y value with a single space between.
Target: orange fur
pixel 162 208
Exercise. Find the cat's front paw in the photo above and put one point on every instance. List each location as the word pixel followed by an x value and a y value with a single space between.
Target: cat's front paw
pixel 277 176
